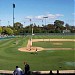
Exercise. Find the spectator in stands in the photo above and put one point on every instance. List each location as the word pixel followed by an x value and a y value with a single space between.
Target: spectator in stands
pixel 18 71
pixel 26 69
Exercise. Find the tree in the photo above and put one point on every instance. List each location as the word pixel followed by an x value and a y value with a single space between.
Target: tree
pixel 72 29
pixel 36 29
pixel 0 30
pixel 8 31
pixel 50 28
pixel 67 26
pixel 58 25
pixel 15 32
pixel 18 25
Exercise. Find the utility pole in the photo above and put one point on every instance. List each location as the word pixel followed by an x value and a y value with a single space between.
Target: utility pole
pixel 13 14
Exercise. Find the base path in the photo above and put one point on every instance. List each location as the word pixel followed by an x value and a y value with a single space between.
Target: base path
pixel 30 48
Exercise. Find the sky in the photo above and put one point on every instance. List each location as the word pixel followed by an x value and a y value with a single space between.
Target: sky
pixel 36 10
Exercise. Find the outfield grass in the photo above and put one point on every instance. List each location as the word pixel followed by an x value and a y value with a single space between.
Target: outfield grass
pixel 44 60
pixel 54 36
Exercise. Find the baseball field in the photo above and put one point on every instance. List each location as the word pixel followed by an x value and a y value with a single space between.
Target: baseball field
pixel 54 52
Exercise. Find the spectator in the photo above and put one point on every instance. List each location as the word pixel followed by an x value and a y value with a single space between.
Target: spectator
pixel 18 71
pixel 26 69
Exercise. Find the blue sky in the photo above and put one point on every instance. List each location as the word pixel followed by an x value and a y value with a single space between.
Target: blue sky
pixel 36 10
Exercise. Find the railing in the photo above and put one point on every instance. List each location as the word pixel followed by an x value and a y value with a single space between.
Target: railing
pixel 56 72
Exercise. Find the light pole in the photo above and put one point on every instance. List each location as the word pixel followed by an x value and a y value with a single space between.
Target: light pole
pixel 8 23
pixel 31 32
pixel 29 20
pixel 32 28
pixel 24 23
pixel 45 19
pixel 41 21
pixel 13 14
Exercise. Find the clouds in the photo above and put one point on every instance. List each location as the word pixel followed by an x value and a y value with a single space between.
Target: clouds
pixel 51 16
pixel 55 15
pixel 29 17
pixel 39 19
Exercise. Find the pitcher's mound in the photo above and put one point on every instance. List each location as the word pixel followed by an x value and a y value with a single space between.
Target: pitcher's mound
pixel 30 49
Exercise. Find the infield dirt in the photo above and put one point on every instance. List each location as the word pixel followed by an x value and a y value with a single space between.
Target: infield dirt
pixel 30 48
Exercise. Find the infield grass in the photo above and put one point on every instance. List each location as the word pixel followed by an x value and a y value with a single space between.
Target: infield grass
pixel 54 44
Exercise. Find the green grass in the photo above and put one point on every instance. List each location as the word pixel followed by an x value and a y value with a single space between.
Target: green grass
pixel 53 36
pixel 52 45
pixel 44 60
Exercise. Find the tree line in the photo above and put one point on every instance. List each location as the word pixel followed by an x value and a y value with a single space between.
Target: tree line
pixel 19 29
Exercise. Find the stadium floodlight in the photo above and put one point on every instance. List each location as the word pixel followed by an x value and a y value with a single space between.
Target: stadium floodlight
pixel 45 19
pixel 13 13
